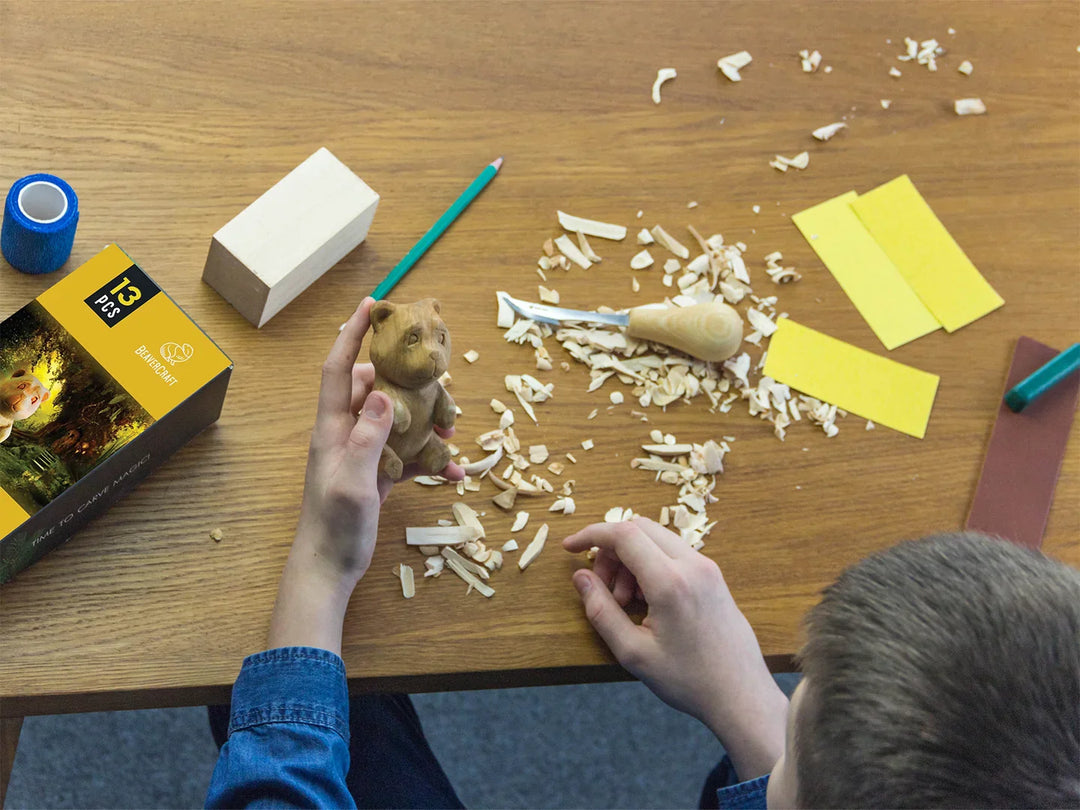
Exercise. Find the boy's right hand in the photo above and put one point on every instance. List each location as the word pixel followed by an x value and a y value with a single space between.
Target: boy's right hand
pixel 694 649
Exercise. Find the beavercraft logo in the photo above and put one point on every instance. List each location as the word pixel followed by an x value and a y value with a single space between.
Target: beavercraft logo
pixel 173 353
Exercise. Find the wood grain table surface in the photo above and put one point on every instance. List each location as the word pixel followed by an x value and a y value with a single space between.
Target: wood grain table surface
pixel 169 118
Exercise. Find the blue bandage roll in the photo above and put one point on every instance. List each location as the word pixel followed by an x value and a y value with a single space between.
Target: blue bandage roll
pixel 40 216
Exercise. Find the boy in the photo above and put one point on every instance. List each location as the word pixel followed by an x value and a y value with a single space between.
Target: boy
pixel 940 673
pixel 943 672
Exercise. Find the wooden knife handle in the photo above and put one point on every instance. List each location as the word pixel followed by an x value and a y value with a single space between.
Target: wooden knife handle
pixel 710 332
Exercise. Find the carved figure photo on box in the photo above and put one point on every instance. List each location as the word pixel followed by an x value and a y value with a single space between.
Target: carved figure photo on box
pixel 61 413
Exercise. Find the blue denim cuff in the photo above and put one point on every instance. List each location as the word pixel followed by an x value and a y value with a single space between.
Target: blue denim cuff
pixel 292 685
pixel 744 795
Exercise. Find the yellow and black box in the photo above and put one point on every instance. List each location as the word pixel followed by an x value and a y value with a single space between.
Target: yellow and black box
pixel 102 378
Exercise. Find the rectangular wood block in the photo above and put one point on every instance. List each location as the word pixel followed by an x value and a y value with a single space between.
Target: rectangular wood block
pixel 279 245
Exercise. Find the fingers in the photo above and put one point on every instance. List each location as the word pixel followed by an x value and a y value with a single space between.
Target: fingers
pixel 444 433
pixel 367 438
pixel 624 587
pixel 363 380
pixel 335 393
pixel 608 619
pixel 672 544
pixel 650 564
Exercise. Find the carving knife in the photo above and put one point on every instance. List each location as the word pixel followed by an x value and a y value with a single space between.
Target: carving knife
pixel 711 332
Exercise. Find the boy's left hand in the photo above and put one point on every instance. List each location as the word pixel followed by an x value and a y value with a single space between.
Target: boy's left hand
pixel 343 489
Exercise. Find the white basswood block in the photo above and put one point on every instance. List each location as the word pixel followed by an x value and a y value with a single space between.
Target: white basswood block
pixel 279 245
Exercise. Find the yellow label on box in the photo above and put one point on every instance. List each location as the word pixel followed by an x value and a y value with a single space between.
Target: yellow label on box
pixel 851 378
pixel 925 253
pixel 872 282
pixel 11 514
pixel 135 331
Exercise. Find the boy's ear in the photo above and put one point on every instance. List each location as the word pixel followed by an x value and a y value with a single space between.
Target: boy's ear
pixel 380 312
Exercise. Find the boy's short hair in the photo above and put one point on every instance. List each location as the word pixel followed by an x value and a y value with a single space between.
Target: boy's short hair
pixel 943 672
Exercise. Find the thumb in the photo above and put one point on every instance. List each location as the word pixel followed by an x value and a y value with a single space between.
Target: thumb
pixel 369 434
pixel 606 616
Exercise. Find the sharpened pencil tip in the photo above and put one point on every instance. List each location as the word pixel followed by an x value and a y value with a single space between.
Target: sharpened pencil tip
pixel 497 163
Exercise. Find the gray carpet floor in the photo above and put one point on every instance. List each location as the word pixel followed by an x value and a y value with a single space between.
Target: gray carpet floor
pixel 589 746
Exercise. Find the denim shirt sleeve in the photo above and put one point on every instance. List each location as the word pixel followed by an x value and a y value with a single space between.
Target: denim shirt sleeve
pixel 288 742
pixel 736 795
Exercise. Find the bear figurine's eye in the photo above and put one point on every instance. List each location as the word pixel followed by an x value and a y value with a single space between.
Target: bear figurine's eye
pixel 412 339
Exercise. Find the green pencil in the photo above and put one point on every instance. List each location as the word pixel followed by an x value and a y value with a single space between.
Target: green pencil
pixel 1043 379
pixel 436 230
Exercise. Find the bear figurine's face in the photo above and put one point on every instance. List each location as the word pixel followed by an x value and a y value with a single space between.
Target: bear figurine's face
pixel 411 345
pixel 21 395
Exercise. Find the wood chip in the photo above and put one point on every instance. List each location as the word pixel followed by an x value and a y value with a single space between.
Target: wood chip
pixel 571 251
pixel 668 449
pixel 670 242
pixel 483 465
pixel 506 315
pixel 466 516
pixel 731 65
pixel 592 227
pixel 217 535
pixel 966 67
pixel 505 499
pixel 586 445
pixel 547 296
pixel 471 356
pixel 673 266
pixel 894 73
pixel 434 566
pixel 644 237
pixel 969 106
pixel 662 75
pixel 510 545
pixel 826 132
pixel 473 581
pixel 408 583
pixel 616 397
pixel 641 260
pixel 520 520
pixel 532 551
pixel 439 535
pixel 453 556
pixel 586 248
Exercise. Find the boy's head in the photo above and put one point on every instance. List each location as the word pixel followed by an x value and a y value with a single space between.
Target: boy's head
pixel 943 672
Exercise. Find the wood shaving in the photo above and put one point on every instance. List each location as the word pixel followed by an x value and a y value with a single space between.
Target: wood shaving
pixel 456 565
pixel 731 65
pixel 616 397
pixel 483 465
pixel 505 499
pixel 532 551
pixel 548 296
pixel 810 60
pixel 506 315
pixel 966 68
pixel 969 106
pixel 471 356
pixel 641 260
pixel 571 252
pixel 587 444
pixel 886 103
pixel 635 285
pixel 408 583
pixel 592 227
pixel 827 131
pixel 869 425
pixel 556 468
pixel 670 242
pixel 538 453
pixel 644 237
pixel 673 266
pixel 434 566
pixel 896 74
pixel 662 75
pixel 510 545
pixel 439 535
pixel 466 517
pixel 586 248
pixel 217 535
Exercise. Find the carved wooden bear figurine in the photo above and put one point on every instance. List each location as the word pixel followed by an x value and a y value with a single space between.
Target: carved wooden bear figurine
pixel 20 396
pixel 410 350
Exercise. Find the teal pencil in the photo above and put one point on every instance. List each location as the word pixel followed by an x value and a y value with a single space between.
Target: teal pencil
pixel 436 230
pixel 1045 378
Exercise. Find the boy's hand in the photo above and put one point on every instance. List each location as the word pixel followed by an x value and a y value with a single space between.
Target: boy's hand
pixel 694 649
pixel 339 516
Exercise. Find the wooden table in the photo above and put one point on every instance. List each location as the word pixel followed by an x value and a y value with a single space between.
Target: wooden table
pixel 168 119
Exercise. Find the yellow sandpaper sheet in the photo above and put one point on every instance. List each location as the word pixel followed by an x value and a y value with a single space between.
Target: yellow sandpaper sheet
pixel 925 253
pixel 851 378
pixel 872 282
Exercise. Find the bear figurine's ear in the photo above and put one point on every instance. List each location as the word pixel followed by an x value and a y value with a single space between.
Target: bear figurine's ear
pixel 19 373
pixel 433 303
pixel 380 312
